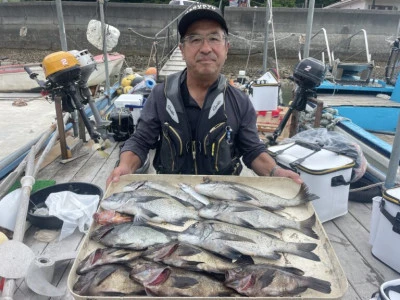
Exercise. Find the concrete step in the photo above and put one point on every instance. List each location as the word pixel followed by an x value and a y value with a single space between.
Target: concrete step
pixel 174 64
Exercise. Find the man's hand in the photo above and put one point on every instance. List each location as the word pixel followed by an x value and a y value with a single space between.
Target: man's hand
pixel 281 172
pixel 116 173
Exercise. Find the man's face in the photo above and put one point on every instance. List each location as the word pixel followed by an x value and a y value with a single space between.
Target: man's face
pixel 205 49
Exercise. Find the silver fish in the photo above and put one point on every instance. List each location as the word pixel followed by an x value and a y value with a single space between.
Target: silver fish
pixel 167 188
pixel 251 216
pixel 108 280
pixel 233 241
pixel 103 256
pixel 150 205
pixel 130 236
pixel 191 191
pixel 225 190
pixel 267 280
pixel 188 257
pixel 165 281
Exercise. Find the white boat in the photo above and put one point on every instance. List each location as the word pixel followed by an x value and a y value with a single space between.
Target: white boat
pixel 13 78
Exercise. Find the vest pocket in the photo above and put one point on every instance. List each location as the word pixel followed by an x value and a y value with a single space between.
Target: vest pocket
pixel 171 148
pixel 218 150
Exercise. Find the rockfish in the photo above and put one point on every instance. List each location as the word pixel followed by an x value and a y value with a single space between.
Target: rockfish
pixel 251 216
pixel 165 281
pixel 150 205
pixel 188 257
pixel 233 241
pixel 108 280
pixel 267 280
pixel 130 236
pixel 104 256
pixel 225 190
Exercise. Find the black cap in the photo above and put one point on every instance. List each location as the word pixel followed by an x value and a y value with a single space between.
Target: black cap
pixel 198 12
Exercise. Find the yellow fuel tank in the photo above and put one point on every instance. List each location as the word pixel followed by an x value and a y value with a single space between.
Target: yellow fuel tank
pixel 58 61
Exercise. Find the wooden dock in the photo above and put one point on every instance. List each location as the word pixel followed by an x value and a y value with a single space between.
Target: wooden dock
pixel 348 234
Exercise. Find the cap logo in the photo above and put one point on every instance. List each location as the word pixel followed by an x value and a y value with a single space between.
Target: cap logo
pixel 201 6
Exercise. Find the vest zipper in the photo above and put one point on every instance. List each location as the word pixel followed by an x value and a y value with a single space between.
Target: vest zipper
pixel 178 137
pixel 216 155
pixel 206 137
pixel 194 156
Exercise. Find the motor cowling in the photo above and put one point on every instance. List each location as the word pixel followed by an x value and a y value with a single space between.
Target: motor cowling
pixel 61 67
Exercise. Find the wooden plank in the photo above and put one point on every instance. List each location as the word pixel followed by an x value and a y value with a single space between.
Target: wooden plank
pixel 359 237
pixel 355 100
pixel 360 275
pixel 361 212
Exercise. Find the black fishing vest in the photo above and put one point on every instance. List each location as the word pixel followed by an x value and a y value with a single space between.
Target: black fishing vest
pixel 211 151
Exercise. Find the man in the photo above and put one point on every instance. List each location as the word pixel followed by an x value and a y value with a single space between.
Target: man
pixel 197 122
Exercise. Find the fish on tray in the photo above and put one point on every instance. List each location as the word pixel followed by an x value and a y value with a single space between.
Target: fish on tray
pixel 268 280
pixel 104 256
pixel 188 257
pixel 233 241
pixel 225 190
pixel 166 281
pixel 108 280
pixel 152 205
pixel 110 217
pixel 183 194
pixel 251 216
pixel 131 236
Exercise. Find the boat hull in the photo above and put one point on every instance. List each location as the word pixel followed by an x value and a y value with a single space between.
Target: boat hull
pixel 13 78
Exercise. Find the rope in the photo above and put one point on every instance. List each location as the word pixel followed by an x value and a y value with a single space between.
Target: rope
pixel 260 41
pixel 251 40
pixel 270 21
pixel 143 36
pixel 367 187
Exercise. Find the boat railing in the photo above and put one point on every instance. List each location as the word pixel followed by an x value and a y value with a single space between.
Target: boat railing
pixel 347 41
pixel 350 69
pixel 325 52
pixel 168 37
pixel 393 66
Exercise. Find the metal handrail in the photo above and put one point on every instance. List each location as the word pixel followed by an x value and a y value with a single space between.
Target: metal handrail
pixel 327 49
pixel 349 38
pixel 167 28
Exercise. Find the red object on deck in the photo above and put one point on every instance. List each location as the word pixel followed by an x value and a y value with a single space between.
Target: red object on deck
pixel 2 280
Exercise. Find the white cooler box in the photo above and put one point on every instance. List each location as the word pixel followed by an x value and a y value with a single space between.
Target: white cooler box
pixel 385 228
pixel 326 173
pixel 132 101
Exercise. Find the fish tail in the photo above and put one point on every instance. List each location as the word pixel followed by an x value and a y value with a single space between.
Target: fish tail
pixel 319 285
pixel 304 194
pixel 306 227
pixel 304 250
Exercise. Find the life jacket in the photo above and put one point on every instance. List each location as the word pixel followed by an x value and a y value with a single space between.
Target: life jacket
pixel 212 150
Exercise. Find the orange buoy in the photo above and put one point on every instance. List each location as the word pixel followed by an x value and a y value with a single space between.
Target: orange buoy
pixel 151 71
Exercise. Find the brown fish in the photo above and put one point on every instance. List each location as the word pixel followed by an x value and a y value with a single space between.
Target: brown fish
pixel 165 281
pixel 108 280
pixel 265 280
pixel 188 257
pixel 103 256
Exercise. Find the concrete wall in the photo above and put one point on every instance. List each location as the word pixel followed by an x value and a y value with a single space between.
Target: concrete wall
pixel 40 20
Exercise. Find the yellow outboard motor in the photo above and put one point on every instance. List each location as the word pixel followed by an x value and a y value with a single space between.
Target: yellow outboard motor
pixel 61 68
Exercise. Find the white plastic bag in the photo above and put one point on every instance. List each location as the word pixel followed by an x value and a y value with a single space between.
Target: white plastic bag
pixel 95 37
pixel 74 209
pixel 9 205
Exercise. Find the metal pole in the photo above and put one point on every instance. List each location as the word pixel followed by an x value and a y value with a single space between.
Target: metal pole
pixel 61 26
pixel 103 30
pixel 394 159
pixel 265 50
pixel 310 17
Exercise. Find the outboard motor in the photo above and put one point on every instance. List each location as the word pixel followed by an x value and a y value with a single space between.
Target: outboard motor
pixel 307 74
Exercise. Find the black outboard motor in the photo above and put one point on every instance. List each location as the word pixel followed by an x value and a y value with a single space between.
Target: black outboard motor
pixel 307 74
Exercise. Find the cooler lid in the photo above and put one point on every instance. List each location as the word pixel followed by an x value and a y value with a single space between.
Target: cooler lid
pixel 310 160
pixel 392 195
